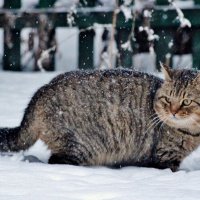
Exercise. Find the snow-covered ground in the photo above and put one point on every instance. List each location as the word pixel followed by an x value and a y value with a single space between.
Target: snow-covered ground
pixel 35 181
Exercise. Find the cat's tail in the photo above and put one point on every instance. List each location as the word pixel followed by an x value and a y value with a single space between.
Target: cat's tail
pixel 9 139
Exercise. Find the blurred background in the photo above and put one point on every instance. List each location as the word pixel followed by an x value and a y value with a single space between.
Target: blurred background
pixel 63 35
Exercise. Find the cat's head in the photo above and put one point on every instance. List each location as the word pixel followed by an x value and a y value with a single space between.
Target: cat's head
pixel 177 102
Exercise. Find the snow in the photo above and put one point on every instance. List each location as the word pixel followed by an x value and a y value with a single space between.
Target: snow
pixel 192 162
pixel 37 181
pixel 39 150
pixel 29 4
pixel 182 61
pixel 127 45
pixel 64 3
pixel 150 32
pixel 145 62
pixel 45 54
pixel 1 3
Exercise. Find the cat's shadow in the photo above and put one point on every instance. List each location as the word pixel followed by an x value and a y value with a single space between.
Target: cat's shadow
pixel 31 159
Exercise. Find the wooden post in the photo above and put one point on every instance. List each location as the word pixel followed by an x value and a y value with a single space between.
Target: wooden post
pixel 124 58
pixel 162 46
pixel 11 56
pixel 162 2
pixel 86 43
pixel 196 42
pixel 46 3
pixel 196 49
pixel 163 43
pixel 197 2
pixel 12 4
pixel 86 49
pixel 87 3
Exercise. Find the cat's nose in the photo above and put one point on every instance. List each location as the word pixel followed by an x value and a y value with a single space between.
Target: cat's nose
pixel 174 109
pixel 174 113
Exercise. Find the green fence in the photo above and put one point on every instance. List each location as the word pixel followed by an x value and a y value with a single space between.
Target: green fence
pixel 162 21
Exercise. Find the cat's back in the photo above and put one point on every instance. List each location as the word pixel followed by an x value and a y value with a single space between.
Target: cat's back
pixel 120 79
pixel 119 88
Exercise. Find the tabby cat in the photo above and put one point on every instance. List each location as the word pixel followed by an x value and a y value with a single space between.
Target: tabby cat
pixel 113 118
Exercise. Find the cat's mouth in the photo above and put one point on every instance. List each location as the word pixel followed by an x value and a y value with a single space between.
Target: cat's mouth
pixel 174 117
pixel 178 121
pixel 178 118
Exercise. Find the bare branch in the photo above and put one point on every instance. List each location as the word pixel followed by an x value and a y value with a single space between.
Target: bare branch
pixel 183 21
pixel 45 55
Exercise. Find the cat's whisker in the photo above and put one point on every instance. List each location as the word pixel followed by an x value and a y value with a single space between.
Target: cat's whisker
pixel 163 122
pixel 153 120
pixel 153 125
pixel 155 116
pixel 152 117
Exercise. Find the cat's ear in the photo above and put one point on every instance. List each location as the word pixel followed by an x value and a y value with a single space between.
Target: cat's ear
pixel 167 72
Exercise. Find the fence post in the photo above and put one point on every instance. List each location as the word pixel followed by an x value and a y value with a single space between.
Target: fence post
pixel 195 44
pixel 12 4
pixel 87 3
pixel 86 49
pixel 162 2
pixel 196 49
pixel 46 3
pixel 11 56
pixel 124 58
pixel 196 2
pixel 86 43
pixel 163 47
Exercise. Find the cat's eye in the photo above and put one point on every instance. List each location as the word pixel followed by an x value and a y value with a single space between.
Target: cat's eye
pixel 186 102
pixel 167 99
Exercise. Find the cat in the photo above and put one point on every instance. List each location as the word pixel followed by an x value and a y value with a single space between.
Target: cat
pixel 113 118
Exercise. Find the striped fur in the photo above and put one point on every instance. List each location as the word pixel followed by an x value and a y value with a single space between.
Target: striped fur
pixel 101 118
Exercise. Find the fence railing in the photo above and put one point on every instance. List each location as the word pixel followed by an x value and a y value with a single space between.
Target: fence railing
pixel 46 19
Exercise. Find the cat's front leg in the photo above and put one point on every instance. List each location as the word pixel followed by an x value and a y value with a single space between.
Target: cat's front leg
pixel 168 159
pixel 174 167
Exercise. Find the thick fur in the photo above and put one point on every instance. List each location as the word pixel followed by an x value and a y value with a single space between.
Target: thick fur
pixel 101 118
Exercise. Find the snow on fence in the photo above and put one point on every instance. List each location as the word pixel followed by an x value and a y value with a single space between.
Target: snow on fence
pixel 132 35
